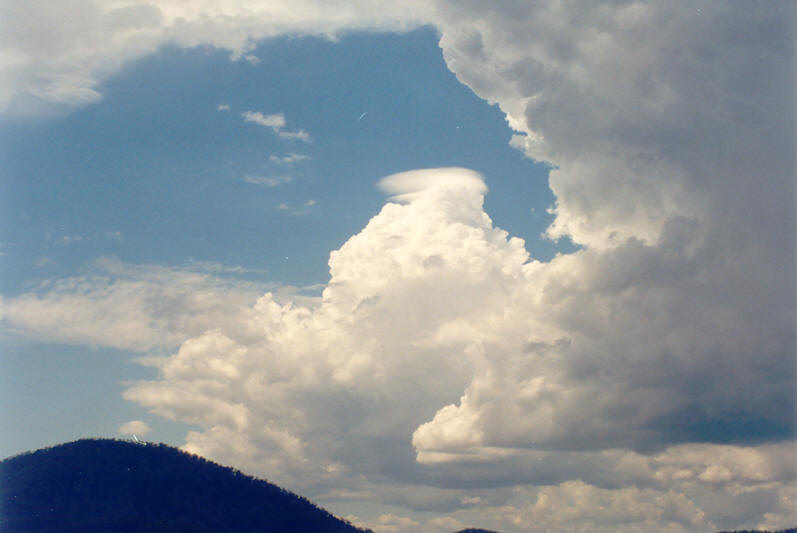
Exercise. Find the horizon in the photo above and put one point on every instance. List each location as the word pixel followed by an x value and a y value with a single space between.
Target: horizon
pixel 428 264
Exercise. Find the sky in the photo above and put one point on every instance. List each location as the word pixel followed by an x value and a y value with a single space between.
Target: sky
pixel 525 266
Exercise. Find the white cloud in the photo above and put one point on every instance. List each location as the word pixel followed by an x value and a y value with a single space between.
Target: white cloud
pixel 288 159
pixel 43 261
pixel 128 307
pixel 135 427
pixel 268 181
pixel 276 122
pixel 55 56
pixel 560 364
pixel 299 135
pixel 252 59
pixel 223 107
pixel 296 210
pixel 66 240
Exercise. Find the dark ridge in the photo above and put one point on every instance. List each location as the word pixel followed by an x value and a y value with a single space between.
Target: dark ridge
pixel 104 486
pixel 790 530
pixel 476 530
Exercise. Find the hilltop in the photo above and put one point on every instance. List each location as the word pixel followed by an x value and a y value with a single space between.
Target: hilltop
pixel 98 486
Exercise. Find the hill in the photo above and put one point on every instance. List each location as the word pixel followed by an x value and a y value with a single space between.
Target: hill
pixel 103 486
pixel 790 530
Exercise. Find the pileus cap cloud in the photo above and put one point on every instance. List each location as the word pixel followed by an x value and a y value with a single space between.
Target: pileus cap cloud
pixel 405 186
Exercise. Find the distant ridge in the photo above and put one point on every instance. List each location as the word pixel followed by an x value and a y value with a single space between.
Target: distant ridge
pixel 790 530
pixel 105 485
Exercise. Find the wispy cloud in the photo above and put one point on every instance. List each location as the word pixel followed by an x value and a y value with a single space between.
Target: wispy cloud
pixel 303 209
pixel 268 181
pixel 66 240
pixel 223 107
pixel 276 122
pixel 288 159
pixel 43 261
pixel 299 135
pixel 129 307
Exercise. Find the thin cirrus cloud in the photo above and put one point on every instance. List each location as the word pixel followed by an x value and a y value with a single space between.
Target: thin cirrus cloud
pixel 642 383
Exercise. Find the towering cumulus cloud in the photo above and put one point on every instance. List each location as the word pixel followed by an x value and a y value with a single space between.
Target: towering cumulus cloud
pixel 642 383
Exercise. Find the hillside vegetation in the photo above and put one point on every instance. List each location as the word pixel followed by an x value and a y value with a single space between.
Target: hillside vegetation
pixel 103 486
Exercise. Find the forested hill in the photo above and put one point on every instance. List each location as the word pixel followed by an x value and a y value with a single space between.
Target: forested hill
pixel 790 530
pixel 93 486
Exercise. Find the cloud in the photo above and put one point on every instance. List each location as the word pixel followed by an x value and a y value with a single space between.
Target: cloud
pixel 276 122
pixel 642 383
pixel 134 427
pixel 299 135
pixel 252 59
pixel 600 378
pixel 67 240
pixel 296 210
pixel 505 371
pixel 268 181
pixel 43 261
pixel 680 285
pixel 128 307
pixel 55 57
pixel 288 159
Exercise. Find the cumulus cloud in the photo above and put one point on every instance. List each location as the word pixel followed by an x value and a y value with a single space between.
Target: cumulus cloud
pixel 674 170
pixel 503 369
pixel 642 383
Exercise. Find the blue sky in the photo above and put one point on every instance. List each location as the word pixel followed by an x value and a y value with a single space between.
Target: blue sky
pixel 432 264
pixel 156 172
